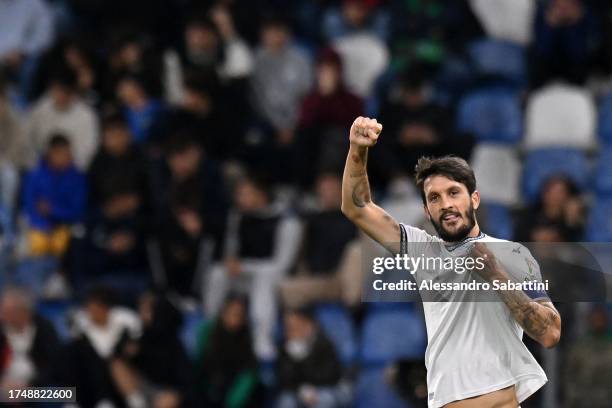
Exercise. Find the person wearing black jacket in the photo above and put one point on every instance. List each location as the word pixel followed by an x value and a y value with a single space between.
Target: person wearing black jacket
pixel 31 343
pixel 309 370
pixel 154 370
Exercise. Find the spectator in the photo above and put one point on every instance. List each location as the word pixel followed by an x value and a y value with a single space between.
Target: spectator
pixel 31 340
pixel 201 115
pixel 309 371
pixel 62 110
pixel 5 352
pixel 587 373
pixel 99 330
pixel 133 54
pixel 12 149
pixel 26 30
pixel 321 275
pixel 365 54
pixel 154 370
pixel 213 44
pixel 142 111
pixel 226 364
pixel 559 205
pixel 54 198
pixel 325 114
pixel 116 225
pixel 262 239
pixel 190 209
pixel 281 78
pixel 566 40
pixel 415 126
pixel 356 15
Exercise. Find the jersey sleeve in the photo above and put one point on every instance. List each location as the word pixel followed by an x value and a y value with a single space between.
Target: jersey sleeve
pixel 413 240
pixel 525 268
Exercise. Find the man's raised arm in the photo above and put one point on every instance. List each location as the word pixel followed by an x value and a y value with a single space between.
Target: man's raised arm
pixel 357 204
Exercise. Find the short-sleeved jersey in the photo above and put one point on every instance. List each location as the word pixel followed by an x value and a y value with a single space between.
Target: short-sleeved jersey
pixel 474 347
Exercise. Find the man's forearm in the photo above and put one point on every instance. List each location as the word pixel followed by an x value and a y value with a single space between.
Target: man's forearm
pixel 540 321
pixel 355 184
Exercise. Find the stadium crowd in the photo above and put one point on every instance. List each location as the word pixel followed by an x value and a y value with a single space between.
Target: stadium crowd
pixel 170 187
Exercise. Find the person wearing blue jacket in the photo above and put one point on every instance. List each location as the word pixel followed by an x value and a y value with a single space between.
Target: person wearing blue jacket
pixel 54 198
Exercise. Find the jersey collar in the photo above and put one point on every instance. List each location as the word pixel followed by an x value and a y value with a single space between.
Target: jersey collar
pixel 456 245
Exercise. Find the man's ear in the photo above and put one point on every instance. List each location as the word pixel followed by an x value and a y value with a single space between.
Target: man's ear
pixel 476 199
pixel 427 214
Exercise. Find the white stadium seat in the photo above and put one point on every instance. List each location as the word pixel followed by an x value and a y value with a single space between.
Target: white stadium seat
pixel 560 116
pixel 497 171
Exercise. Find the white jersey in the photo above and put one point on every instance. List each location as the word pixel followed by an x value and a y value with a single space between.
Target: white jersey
pixel 474 347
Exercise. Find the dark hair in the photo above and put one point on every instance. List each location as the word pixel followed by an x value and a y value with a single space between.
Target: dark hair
pixel 113 118
pixel 305 312
pixel 275 20
pixel 65 77
pixel 452 167
pixel 58 140
pixel 101 295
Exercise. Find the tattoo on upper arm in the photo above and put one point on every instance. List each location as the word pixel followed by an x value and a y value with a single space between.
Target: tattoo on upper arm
pixel 361 193
pixel 390 219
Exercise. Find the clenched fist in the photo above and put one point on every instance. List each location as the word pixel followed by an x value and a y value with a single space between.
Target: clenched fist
pixel 364 132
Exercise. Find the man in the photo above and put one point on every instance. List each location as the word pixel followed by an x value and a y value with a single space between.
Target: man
pixel 475 355
pixel 31 342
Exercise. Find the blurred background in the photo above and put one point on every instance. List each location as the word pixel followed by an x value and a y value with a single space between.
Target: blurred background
pixel 170 221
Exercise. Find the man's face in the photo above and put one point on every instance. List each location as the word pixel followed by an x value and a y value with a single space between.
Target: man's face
pixel 297 327
pixel 329 192
pixel 116 139
pixel 275 37
pixel 61 96
pixel 450 207
pixel 184 164
pixel 97 312
pixel 234 316
pixel 13 313
pixel 59 158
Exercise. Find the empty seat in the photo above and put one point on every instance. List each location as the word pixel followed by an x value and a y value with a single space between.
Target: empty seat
pixel 491 114
pixel 603 173
pixel 510 20
pixel 337 324
pixel 599 227
pixel 57 313
pixel 605 120
pixel 374 391
pixel 391 334
pixel 189 331
pixel 498 173
pixel 498 221
pixel 560 115
pixel 498 58
pixel 540 165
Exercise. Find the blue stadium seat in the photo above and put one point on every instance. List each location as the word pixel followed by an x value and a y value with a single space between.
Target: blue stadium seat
pixel 189 331
pixel 603 173
pixel 57 313
pixel 373 391
pixel 498 221
pixel 337 324
pixel 391 334
pixel 605 120
pixel 499 59
pixel 544 163
pixel 599 227
pixel 492 115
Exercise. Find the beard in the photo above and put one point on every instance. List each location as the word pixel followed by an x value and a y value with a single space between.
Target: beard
pixel 462 232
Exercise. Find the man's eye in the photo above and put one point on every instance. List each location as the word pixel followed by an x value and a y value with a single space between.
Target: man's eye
pixel 454 193
pixel 433 198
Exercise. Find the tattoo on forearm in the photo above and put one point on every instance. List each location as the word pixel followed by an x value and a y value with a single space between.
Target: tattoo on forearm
pixel 533 317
